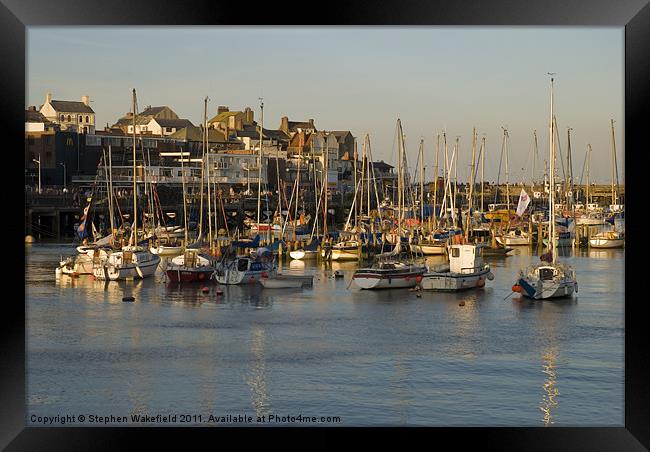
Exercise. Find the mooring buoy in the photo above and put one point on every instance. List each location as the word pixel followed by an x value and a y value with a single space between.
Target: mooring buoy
pixel 128 298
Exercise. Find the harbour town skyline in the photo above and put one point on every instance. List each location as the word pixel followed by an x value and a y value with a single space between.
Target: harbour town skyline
pixel 359 79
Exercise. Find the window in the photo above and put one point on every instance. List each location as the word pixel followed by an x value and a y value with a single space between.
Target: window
pixel 168 129
pixel 80 119
pixel 180 173
pixel 87 119
pixel 455 252
pixel 69 118
pixel 62 118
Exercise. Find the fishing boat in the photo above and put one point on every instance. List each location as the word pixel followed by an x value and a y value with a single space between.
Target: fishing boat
pixel 244 270
pixel 548 279
pixel 389 275
pixel 465 270
pixel 608 239
pixel 189 267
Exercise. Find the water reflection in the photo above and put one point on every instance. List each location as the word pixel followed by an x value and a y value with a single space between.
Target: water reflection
pixel 401 389
pixel 257 378
pixel 550 396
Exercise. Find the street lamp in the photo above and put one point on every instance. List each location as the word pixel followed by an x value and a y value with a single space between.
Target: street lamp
pixel 64 178
pixel 39 171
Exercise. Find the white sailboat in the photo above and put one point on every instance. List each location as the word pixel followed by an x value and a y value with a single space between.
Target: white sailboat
pixel 548 279
pixel 132 261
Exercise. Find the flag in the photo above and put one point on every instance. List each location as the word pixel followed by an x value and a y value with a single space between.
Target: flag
pixel 81 230
pixel 524 200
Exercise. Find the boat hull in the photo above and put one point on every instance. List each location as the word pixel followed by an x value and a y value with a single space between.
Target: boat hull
pixel 606 243
pixel 188 275
pixel 377 279
pixel 274 283
pixel 429 250
pixel 454 282
pixel 137 270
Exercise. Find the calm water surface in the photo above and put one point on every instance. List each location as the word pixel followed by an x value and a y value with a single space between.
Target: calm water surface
pixel 370 358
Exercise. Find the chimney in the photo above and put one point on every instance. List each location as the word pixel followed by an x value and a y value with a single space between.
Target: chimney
pixel 248 115
pixel 129 114
pixel 285 124
pixel 48 98
pixel 311 124
pixel 85 100
pixel 221 109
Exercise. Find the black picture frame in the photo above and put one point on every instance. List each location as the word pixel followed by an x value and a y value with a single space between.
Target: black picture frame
pixel 634 15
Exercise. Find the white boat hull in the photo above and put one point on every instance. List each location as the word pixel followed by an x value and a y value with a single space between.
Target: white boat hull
pixel 513 240
pixel 429 250
pixel 106 271
pixel 297 254
pixel 453 282
pixel 370 279
pixel 165 250
pixel 345 255
pixel 274 283
pixel 606 243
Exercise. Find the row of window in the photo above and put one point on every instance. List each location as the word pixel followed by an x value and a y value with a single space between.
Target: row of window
pixel 70 118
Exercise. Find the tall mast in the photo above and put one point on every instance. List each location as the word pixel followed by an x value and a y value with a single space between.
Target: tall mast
pixel 184 198
pixel 551 197
pixel 482 170
pixel 445 176
pixel 435 184
pixel 355 183
pixel 532 176
pixel 471 186
pixel 614 168
pixel 135 201
pixel 298 193
pixel 259 164
pixel 505 150
pixel 207 165
pixel 367 177
pixel 326 181
pixel 399 175
pixel 421 157
pixel 588 162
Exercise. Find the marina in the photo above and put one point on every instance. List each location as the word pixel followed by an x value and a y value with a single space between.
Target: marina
pixel 380 357
pixel 365 261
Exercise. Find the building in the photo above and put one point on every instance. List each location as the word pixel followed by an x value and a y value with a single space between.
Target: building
pixel 345 140
pixel 143 119
pixel 35 122
pixel 72 116
pixel 291 127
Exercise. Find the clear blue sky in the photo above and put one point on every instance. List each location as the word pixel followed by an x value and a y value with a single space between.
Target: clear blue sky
pixel 359 79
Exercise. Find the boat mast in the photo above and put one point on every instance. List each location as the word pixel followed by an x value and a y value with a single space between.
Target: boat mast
pixel 184 199
pixel 588 183
pixel 399 178
pixel 356 207
pixel 297 193
pixel 614 168
pixel 135 205
pixel 505 150
pixel 421 158
pixel 435 185
pixel 551 197
pixel 368 178
pixel 259 164
pixel 207 165
pixel 471 187
pixel 326 182
pixel 535 157
pixel 482 170
pixel 569 163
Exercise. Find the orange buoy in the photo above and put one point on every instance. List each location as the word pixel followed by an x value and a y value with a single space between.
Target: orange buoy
pixel 418 279
pixel 517 288
pixel 205 290
pixel 480 283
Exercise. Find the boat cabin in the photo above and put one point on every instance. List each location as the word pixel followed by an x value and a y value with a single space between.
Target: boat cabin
pixel 546 273
pixel 465 258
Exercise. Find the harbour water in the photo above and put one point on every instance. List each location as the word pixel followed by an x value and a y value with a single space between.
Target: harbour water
pixel 368 358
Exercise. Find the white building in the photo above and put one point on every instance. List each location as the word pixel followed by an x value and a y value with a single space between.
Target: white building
pixel 72 116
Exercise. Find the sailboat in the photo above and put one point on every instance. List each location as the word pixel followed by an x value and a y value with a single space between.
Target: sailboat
pixel 548 279
pixel 133 261
pixel 391 270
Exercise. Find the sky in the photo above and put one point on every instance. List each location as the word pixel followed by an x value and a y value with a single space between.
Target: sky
pixel 361 79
